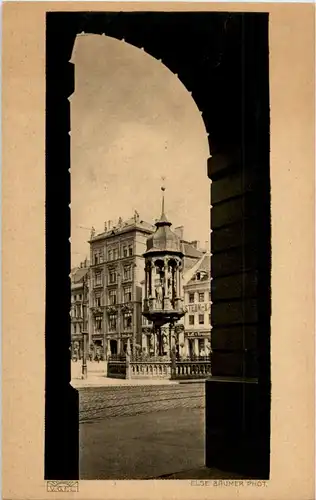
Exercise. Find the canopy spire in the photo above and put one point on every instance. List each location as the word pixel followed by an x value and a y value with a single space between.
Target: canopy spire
pixel 163 189
pixel 163 219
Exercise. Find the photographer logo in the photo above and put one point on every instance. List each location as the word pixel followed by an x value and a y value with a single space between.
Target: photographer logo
pixel 63 486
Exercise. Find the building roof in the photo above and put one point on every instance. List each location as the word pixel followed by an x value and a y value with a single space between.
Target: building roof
pixel 79 274
pixel 131 224
pixel 190 251
pixel 73 271
pixel 204 268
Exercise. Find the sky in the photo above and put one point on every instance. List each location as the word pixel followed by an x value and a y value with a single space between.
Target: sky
pixel 132 123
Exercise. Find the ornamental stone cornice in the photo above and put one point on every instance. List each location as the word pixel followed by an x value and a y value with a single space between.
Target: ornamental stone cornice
pixel 127 308
pixel 97 310
pixel 112 309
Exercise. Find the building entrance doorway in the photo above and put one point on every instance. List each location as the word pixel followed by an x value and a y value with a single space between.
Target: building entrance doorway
pixel 202 347
pixel 191 348
pixel 98 350
pixel 113 347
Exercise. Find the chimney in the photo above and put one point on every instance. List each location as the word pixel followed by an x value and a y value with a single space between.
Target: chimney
pixel 109 224
pixel 195 244
pixel 179 231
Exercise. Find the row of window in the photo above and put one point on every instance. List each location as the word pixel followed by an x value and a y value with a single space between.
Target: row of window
pixel 76 298
pixel 113 275
pixel 201 319
pixel 113 297
pixel 113 321
pixel 76 312
pixel 113 254
pixel 77 327
pixel 200 295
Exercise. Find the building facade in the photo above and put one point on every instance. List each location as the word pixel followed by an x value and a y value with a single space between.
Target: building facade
pixel 115 296
pixel 111 288
pixel 79 307
pixel 197 321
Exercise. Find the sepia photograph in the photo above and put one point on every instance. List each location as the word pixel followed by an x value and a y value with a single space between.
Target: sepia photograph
pixel 140 323
pixel 158 196
pixel 169 303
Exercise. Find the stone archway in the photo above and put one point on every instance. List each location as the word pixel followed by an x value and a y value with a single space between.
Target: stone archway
pixel 223 60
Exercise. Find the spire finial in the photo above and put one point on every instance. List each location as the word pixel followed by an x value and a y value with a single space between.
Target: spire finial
pixel 163 221
pixel 163 189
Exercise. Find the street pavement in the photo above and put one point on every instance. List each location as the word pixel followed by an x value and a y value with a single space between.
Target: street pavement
pixel 143 432
pixel 102 403
pixel 143 446
pixel 93 368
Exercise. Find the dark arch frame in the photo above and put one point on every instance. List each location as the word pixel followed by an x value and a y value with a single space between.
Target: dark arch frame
pixel 222 58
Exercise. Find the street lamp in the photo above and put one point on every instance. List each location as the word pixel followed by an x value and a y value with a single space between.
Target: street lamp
pixel 84 370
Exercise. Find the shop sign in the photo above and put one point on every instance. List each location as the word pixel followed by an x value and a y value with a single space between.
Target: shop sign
pixel 202 335
pixel 201 307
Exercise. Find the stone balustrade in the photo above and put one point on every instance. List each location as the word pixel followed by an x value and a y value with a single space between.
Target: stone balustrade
pixel 150 369
pixel 159 367
pixel 192 369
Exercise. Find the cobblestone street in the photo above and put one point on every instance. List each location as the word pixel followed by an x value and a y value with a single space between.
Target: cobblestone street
pixel 142 446
pixel 141 432
pixel 106 402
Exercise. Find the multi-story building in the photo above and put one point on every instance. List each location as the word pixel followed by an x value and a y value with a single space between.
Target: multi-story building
pixel 115 297
pixel 111 284
pixel 197 321
pixel 79 302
